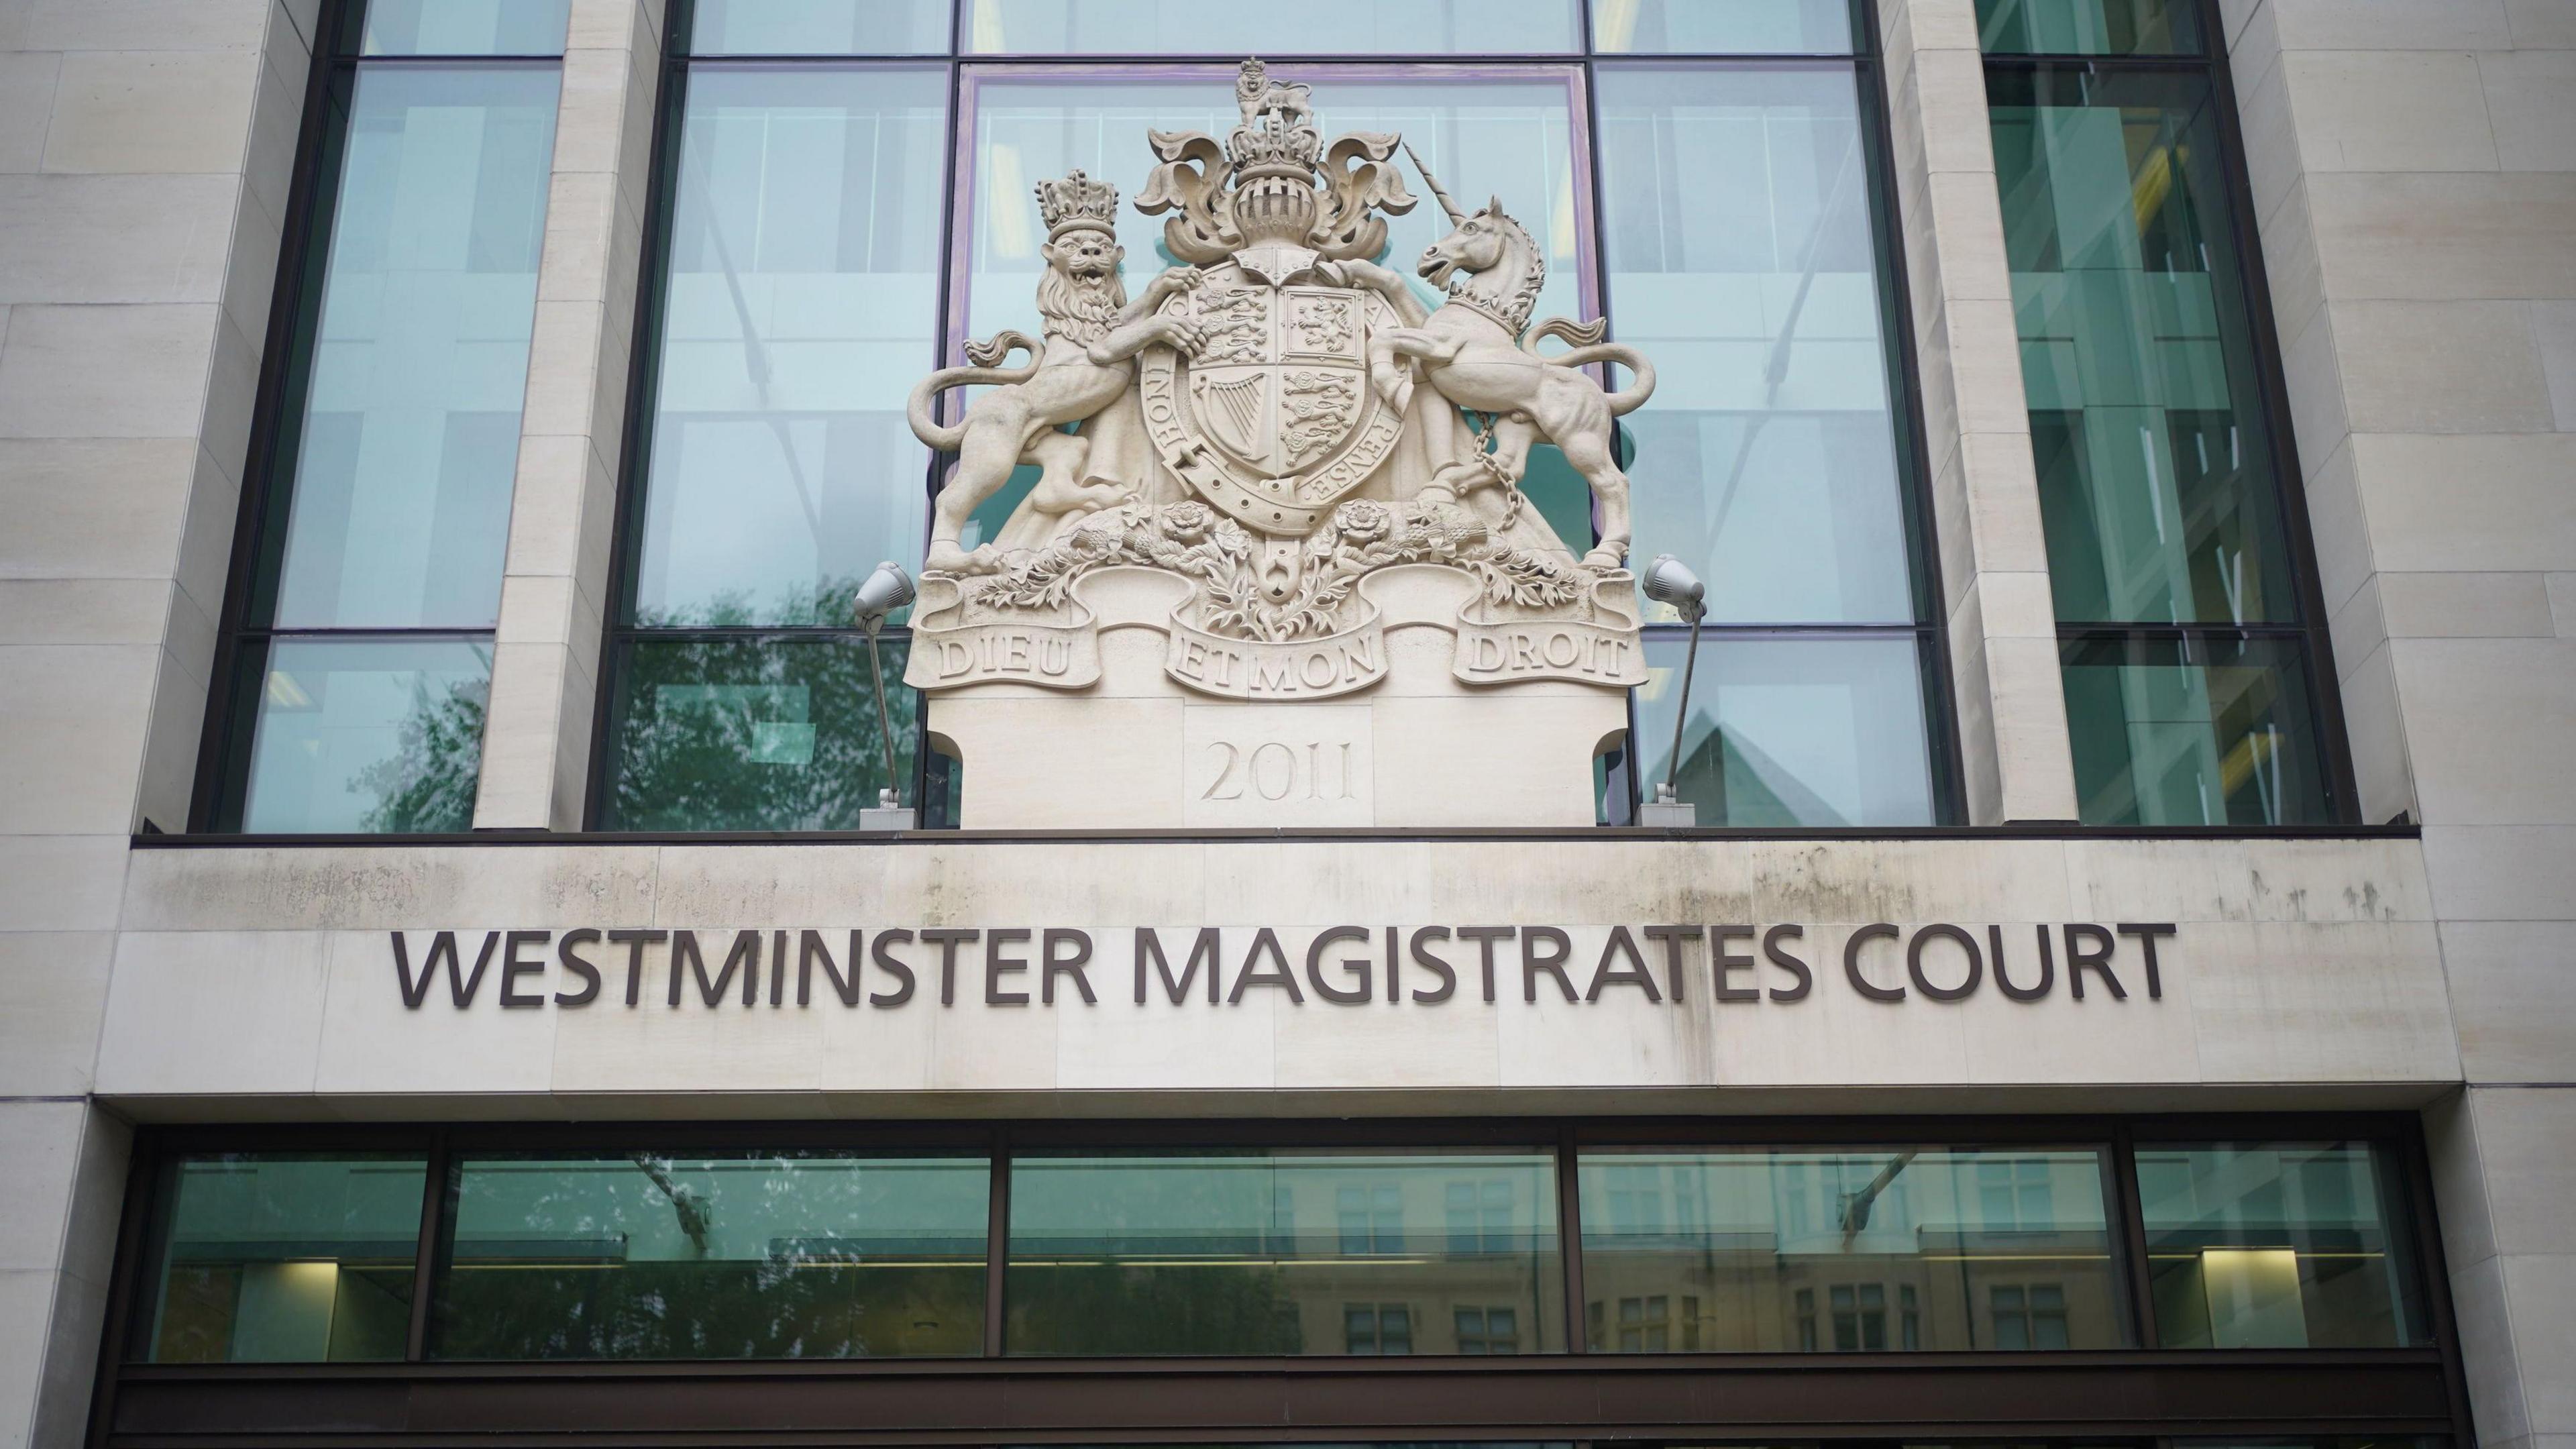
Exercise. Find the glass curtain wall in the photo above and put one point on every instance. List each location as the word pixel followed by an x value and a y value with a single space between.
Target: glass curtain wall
pixel 574 1244
pixel 2189 642
pixel 1285 1252
pixel 1755 1251
pixel 1742 252
pixel 2277 1245
pixel 653 1255
pixel 799 298
pixel 841 212
pixel 284 1257
pixel 359 646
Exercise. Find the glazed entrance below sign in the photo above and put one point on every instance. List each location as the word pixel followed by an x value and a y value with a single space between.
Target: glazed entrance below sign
pixel 1290 476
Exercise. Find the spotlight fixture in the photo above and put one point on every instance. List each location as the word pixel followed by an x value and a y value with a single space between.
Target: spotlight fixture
pixel 1669 582
pixel 885 591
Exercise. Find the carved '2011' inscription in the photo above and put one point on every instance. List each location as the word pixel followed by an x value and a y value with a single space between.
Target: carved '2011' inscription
pixel 1276 770
pixel 1278 764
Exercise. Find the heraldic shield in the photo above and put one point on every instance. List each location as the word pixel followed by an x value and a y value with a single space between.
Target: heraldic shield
pixel 1274 420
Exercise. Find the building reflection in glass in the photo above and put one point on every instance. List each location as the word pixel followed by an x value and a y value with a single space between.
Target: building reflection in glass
pixel 1285 1252
pixel 1857 1250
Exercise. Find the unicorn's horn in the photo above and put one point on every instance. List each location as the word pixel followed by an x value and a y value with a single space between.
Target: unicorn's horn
pixel 1455 215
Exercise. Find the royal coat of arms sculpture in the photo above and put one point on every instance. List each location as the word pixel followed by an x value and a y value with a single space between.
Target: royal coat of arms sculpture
pixel 1279 476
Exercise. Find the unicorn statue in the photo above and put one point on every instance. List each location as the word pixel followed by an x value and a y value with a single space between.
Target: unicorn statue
pixel 1480 352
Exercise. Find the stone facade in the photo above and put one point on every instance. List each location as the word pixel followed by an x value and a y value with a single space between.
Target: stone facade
pixel 146 152
pixel 2410 162
pixel 2269 941
pixel 2414 176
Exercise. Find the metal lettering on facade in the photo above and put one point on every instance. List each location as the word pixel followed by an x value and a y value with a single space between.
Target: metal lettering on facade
pixel 1425 965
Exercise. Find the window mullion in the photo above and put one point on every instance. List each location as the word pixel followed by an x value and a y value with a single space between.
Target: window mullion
pixel 433 1223
pixel 997 1244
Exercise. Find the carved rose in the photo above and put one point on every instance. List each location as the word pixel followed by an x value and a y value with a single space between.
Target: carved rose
pixel 1187 522
pixel 1362 521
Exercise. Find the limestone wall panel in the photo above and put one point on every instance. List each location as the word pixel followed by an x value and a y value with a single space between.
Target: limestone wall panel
pixel 2290 962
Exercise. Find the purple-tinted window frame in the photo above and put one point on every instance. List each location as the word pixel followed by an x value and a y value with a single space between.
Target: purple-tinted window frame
pixel 974 76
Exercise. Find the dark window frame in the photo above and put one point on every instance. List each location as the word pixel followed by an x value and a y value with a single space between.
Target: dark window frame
pixel 1576 1394
pixel 294 310
pixel 926 788
pixel 1925 587
pixel 929 784
pixel 2271 394
pixel 246 627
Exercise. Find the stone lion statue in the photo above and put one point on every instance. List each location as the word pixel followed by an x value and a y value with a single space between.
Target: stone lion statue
pixel 1086 362
pixel 1255 95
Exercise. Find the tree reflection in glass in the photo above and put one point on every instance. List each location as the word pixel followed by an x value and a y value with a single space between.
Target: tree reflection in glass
pixel 751 1255
pixel 754 733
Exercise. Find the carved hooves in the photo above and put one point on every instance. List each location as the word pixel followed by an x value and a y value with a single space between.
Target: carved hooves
pixel 1609 554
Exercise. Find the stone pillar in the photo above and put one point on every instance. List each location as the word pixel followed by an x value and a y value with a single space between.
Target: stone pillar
pixel 145 156
pixel 144 167
pixel 554 587
pixel 2413 165
pixel 67 1164
pixel 1976 424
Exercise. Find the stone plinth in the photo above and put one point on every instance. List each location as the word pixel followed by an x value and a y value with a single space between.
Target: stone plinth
pixel 1306 743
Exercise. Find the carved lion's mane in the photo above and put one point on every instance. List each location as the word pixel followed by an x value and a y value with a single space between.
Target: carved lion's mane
pixel 1078 309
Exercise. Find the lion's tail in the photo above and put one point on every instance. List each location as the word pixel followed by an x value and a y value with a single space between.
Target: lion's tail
pixel 1589 348
pixel 986 358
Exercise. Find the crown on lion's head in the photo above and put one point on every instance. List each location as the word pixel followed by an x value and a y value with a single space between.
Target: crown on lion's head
pixel 1077 201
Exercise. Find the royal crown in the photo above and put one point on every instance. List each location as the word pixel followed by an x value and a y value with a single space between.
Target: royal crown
pixel 1262 152
pixel 1077 201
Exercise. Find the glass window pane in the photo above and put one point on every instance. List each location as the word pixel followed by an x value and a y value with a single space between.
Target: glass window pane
pixel 743 1255
pixel 1754 1250
pixel 1742 260
pixel 819 27
pixel 376 736
pixel 408 437
pixel 283 1257
pixel 753 734
pixel 2278 1245
pixel 1284 1252
pixel 799 311
pixel 1341 27
pixel 1820 730
pixel 464 27
pixel 1511 138
pixel 2089 27
pixel 2192 731
pixel 1714 27
pixel 2156 479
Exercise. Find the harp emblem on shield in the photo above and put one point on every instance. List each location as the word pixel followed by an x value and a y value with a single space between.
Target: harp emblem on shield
pixel 1234 409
